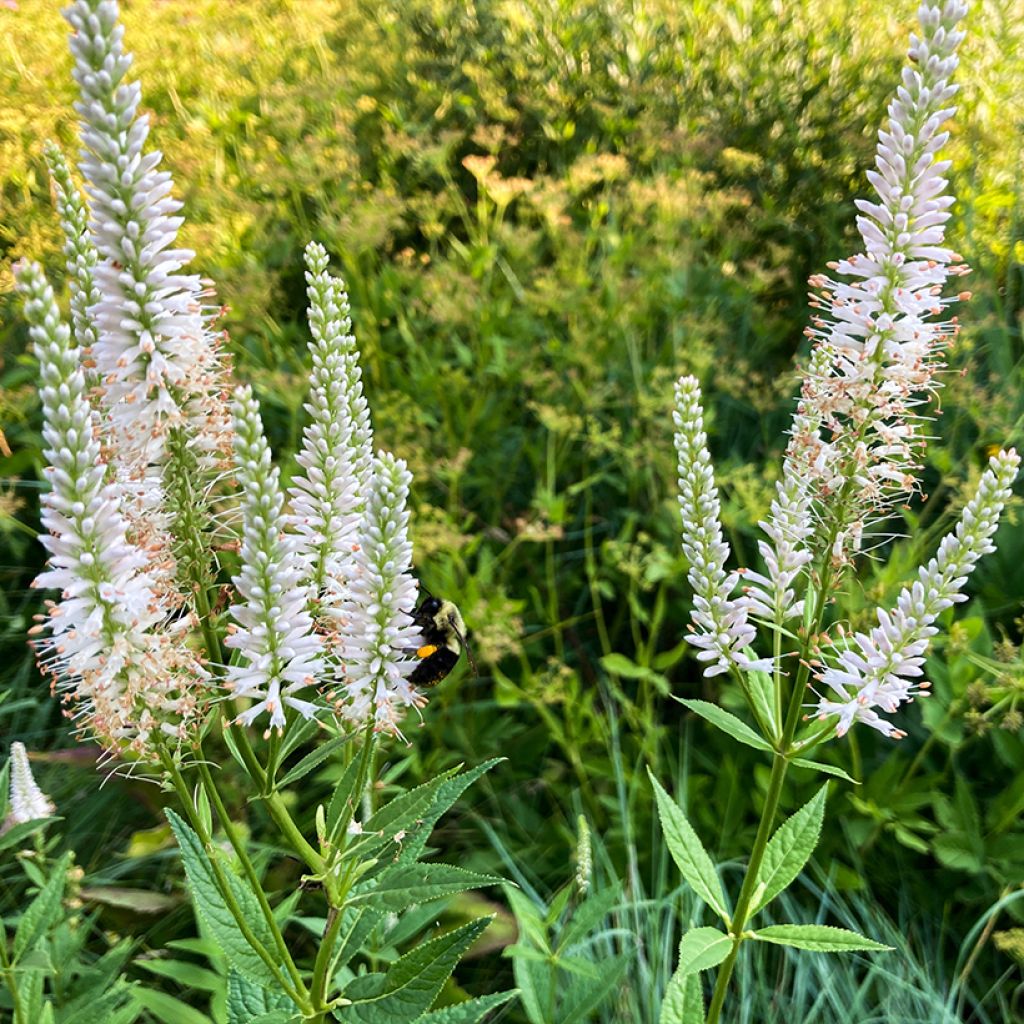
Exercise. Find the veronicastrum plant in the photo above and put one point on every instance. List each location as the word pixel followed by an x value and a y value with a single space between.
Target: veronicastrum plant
pixel 878 332
pixel 202 608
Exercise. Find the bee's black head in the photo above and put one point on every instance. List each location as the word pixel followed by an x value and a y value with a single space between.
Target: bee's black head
pixel 431 606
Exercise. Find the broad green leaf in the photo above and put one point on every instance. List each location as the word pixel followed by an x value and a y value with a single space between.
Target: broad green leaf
pixel 16 834
pixel 620 665
pixel 43 911
pixel 167 1009
pixel 789 850
pixel 312 760
pixel 820 938
pixel 701 948
pixel 728 723
pixel 405 884
pixel 528 917
pixel 825 769
pixel 209 902
pixel 248 1002
pixel 536 982
pixel 470 1012
pixel 413 982
pixel 684 1000
pixel 687 851
pixel 585 996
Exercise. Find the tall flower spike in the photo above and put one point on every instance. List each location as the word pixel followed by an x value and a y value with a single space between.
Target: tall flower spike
pixel 155 355
pixel 790 526
pixel 280 653
pixel 326 497
pixel 722 631
pixel 881 321
pixel 123 672
pixel 28 801
pixel 880 669
pixel 79 253
pixel 375 622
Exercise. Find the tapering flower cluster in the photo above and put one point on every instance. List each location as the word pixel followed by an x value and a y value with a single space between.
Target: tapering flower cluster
pixel 28 802
pixel 881 319
pixel 882 669
pixel 154 352
pixel 110 649
pixel 337 452
pixel 374 622
pixel 722 631
pixel 280 653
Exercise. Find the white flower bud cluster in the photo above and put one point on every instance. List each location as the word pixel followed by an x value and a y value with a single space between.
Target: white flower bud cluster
pixel 882 319
pixel 280 653
pixel 375 630
pixel 111 649
pixel 154 351
pixel 28 802
pixel 880 670
pixel 337 444
pixel 722 631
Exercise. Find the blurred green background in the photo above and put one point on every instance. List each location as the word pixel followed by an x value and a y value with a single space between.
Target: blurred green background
pixel 545 211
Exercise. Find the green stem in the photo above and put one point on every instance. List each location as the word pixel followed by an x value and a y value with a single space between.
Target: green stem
pixel 739 920
pixel 780 764
pixel 298 995
pixel 12 982
pixel 324 956
pixel 275 805
pixel 247 865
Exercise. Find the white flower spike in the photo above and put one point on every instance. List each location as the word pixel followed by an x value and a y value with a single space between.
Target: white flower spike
pixel 28 801
pixel 723 632
pixel 280 652
pixel 881 670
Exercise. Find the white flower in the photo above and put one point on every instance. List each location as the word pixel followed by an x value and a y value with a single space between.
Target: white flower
pixel 881 670
pixel 155 354
pixel 723 631
pixel 882 320
pixel 374 621
pixel 109 648
pixel 326 497
pixel 280 654
pixel 28 801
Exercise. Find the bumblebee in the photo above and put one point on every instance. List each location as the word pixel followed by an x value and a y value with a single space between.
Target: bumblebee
pixel 444 636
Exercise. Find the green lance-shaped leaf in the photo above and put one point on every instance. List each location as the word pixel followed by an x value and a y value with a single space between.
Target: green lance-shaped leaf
pixel 405 884
pixel 413 982
pixel 789 850
pixel 248 1002
pixel 684 1001
pixel 820 938
pixel 687 851
pixel 312 760
pixel 19 833
pixel 470 1012
pixel 728 723
pixel 43 911
pixel 825 769
pixel 210 904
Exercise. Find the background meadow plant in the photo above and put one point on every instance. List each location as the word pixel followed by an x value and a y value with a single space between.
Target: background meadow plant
pixel 661 224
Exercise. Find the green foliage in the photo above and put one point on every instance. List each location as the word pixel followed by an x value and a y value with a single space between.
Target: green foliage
pixel 662 183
